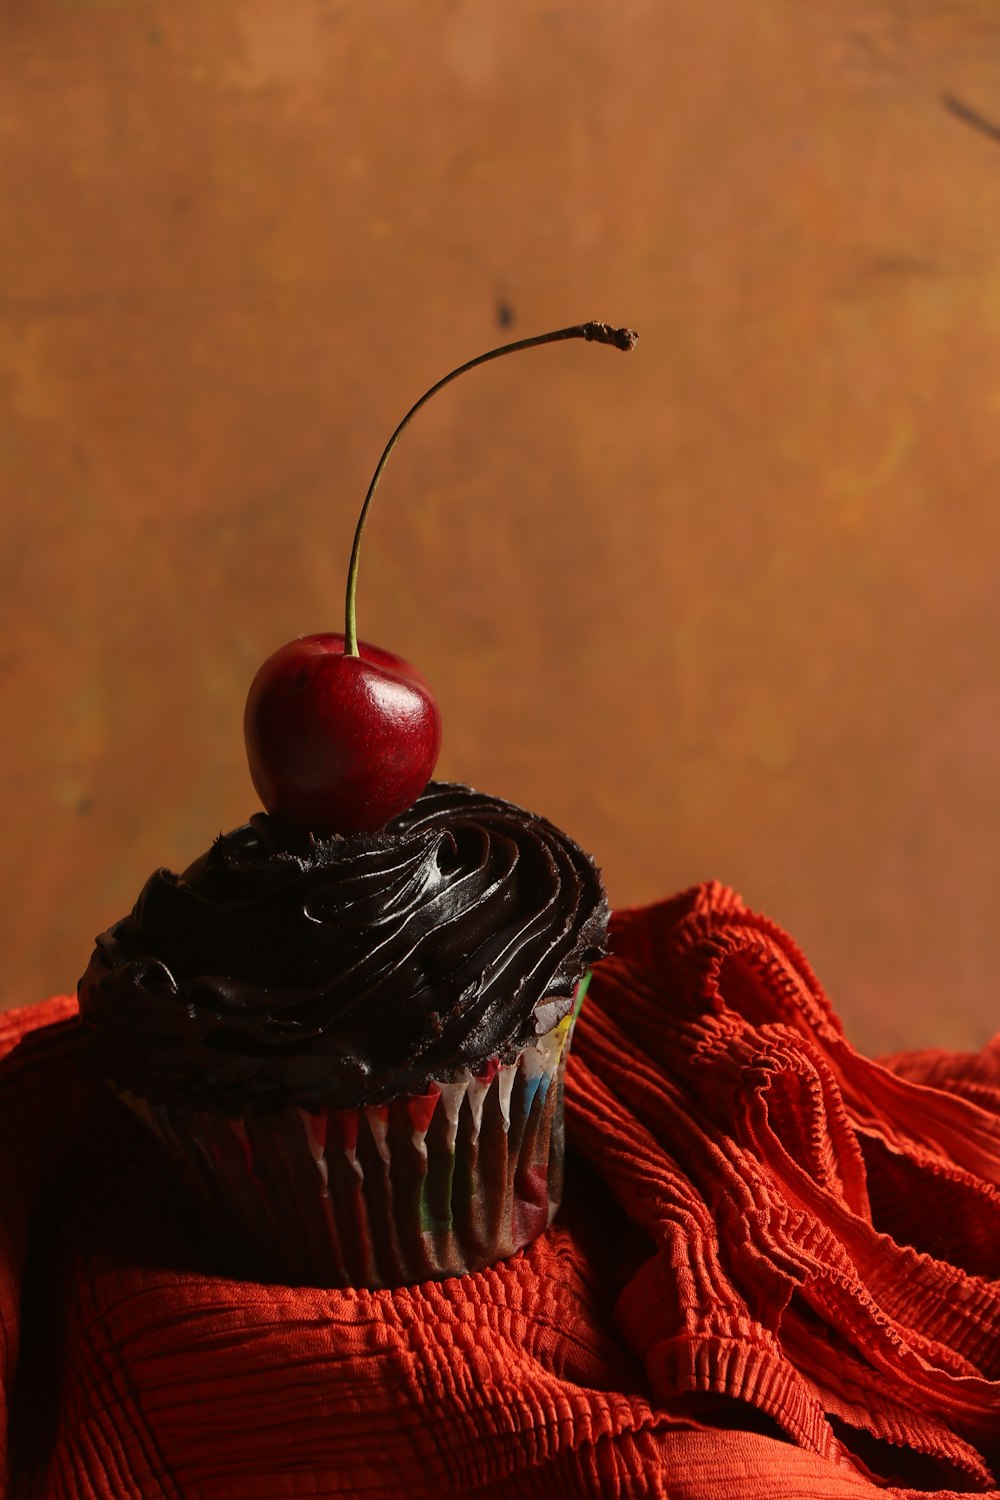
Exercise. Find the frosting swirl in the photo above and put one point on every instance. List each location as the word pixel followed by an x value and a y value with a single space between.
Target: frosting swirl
pixel 351 969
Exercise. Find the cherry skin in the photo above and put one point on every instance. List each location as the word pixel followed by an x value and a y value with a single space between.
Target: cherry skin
pixel 339 743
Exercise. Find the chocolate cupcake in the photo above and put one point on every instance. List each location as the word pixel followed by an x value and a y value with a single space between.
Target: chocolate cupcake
pixel 354 1045
pixel 349 1020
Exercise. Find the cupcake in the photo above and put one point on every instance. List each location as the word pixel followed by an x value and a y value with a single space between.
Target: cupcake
pixel 348 1021
pixel 353 1046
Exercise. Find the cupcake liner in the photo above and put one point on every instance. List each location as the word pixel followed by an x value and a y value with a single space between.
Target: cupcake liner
pixel 423 1186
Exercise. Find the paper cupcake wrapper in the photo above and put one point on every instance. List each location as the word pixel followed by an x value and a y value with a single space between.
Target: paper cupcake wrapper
pixel 425 1186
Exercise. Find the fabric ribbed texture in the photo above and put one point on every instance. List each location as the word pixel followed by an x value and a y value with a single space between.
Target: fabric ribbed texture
pixel 775 1274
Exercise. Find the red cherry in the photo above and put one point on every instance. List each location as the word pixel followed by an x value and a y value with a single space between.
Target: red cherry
pixel 340 736
pixel 339 743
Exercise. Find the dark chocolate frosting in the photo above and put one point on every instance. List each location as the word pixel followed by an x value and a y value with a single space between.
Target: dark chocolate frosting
pixel 346 970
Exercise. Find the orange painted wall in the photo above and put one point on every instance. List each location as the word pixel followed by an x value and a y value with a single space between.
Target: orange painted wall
pixel 727 607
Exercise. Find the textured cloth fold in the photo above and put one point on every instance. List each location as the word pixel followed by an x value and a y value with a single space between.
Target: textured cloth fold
pixel 776 1273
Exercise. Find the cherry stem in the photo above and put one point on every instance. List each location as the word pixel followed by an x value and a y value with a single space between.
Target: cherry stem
pixel 595 333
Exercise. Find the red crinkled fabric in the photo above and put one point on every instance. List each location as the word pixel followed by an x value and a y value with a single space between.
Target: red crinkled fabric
pixel 775 1274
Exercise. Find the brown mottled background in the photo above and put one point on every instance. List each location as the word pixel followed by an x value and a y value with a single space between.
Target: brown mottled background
pixel 727 607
